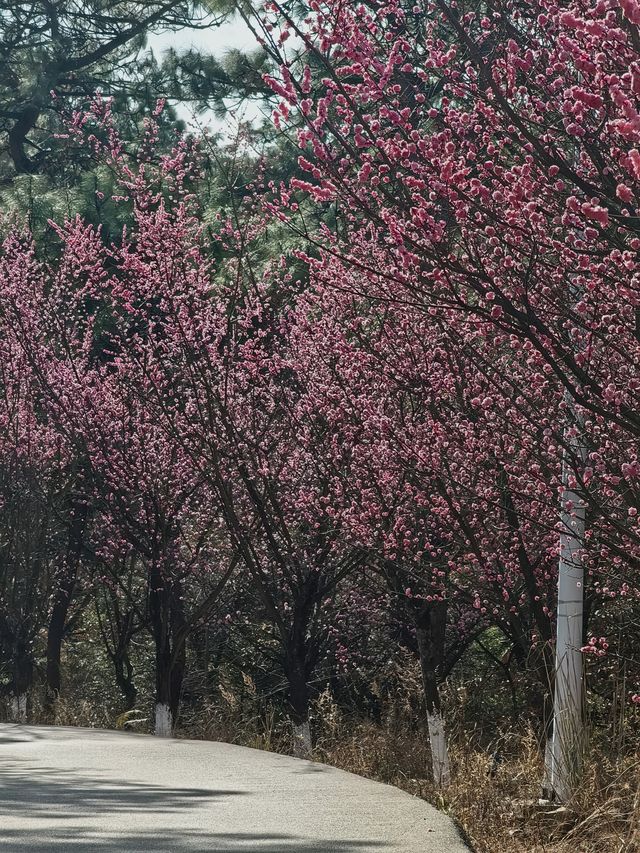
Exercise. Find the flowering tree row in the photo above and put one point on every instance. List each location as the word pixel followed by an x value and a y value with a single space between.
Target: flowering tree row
pixel 483 164
pixel 432 402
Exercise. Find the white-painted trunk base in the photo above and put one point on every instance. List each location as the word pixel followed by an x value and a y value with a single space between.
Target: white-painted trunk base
pixel 547 785
pixel 19 708
pixel 164 723
pixel 302 747
pixel 439 751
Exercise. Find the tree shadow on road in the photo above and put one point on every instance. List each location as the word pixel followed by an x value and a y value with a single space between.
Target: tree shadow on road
pixel 42 792
pixel 81 840
pixel 45 810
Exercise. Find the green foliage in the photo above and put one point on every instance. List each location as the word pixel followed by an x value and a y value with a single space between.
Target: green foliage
pixel 54 57
pixel 207 82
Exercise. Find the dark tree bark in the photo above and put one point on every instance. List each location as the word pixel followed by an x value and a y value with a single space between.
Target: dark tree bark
pixel 299 694
pixel 430 623
pixel 167 621
pixel 23 670
pixel 124 679
pixel 66 583
pixel 430 620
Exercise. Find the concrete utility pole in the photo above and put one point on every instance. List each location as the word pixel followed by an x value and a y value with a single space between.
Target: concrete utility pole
pixel 565 753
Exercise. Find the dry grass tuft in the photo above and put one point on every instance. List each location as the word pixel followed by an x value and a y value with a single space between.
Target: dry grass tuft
pixel 69 711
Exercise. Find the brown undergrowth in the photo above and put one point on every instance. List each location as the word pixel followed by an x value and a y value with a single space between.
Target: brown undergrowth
pixel 496 803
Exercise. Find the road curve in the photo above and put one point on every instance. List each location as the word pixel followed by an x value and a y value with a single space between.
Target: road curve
pixel 65 790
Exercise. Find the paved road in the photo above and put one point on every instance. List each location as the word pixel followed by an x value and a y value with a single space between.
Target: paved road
pixel 66 790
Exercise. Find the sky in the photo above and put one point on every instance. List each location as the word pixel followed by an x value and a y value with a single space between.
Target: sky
pixel 216 40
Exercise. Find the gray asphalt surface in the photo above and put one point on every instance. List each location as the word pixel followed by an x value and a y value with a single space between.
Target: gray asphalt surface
pixel 78 790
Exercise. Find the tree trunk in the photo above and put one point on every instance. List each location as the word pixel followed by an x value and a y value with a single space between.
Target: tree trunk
pixel 299 704
pixel 430 623
pixel 160 622
pixel 167 619
pixel 55 637
pixel 178 649
pixel 163 720
pixel 22 681
pixel 302 745
pixel 18 704
pixel 65 586
pixel 124 679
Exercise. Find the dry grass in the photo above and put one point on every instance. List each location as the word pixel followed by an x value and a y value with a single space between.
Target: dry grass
pixel 67 711
pixel 500 811
pixel 497 807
